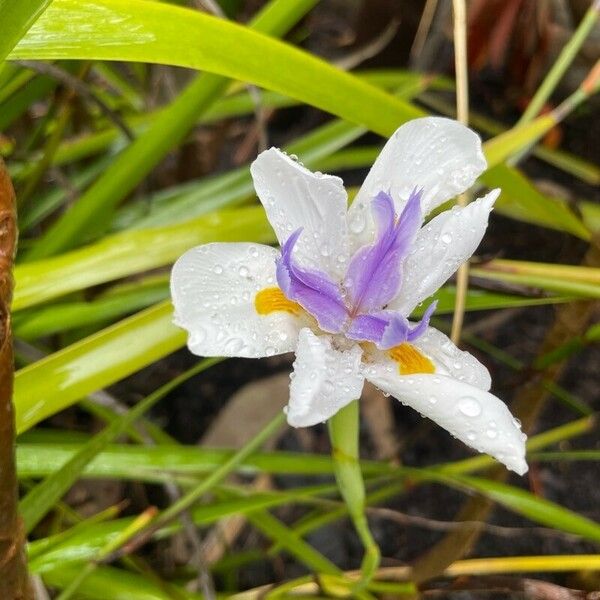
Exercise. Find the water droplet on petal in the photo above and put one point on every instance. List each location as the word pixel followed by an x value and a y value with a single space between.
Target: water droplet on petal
pixel 234 345
pixel 217 269
pixel 357 223
pixel 243 271
pixel 469 407
pixel 446 238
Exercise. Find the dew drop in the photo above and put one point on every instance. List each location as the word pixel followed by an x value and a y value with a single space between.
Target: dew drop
pixel 243 271
pixel 357 223
pixel 469 407
pixel 253 251
pixel 328 387
pixel 446 238
pixel 217 269
pixel 492 433
pixel 270 351
pixel 197 336
pixel 234 345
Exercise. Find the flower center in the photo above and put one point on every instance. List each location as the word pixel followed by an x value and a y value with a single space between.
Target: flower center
pixel 356 307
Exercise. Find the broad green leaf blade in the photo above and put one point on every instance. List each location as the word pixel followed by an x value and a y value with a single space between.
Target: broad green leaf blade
pixel 583 282
pixel 136 30
pixel 521 200
pixel 17 18
pixel 57 381
pixel 533 507
pixel 105 308
pixel 156 462
pixel 133 252
pixel 116 584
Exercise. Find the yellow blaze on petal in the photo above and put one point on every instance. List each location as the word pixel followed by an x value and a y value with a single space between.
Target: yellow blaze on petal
pixel 410 360
pixel 272 299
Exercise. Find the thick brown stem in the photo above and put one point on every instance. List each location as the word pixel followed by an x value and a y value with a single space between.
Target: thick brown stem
pixel 14 584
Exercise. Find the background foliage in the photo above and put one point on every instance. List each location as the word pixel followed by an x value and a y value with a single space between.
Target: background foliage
pixel 122 160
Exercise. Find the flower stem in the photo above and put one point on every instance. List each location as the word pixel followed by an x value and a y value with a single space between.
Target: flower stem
pixel 343 433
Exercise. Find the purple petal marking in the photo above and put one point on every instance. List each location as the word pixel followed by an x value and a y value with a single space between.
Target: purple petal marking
pixel 396 332
pixel 419 329
pixel 312 289
pixel 374 273
pixel 367 328
pixel 385 328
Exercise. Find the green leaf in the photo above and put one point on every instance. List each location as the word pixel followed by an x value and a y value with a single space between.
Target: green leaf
pixel 133 252
pixel 161 33
pixel 103 309
pixel 521 200
pixel 136 30
pixel 41 499
pixel 525 503
pixel 17 18
pixel 116 584
pixel 157 462
pixel 57 381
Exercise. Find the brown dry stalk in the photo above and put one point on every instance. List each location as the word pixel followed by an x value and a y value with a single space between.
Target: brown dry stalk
pixel 14 583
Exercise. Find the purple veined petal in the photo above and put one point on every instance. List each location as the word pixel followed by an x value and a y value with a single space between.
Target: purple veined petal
pixel 312 289
pixel 374 273
pixel 367 328
pixel 421 327
pixel 384 328
pixel 387 328
pixel 396 332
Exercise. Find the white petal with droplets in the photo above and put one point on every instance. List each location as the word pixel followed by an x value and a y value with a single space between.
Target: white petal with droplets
pixel 294 197
pixel 213 289
pixel 324 379
pixel 470 414
pixel 450 360
pixel 440 247
pixel 439 155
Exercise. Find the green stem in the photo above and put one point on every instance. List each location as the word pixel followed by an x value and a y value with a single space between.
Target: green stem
pixel 343 433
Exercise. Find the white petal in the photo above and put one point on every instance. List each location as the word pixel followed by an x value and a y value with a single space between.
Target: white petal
pixel 213 289
pixel 440 247
pixel 439 155
pixel 295 197
pixel 450 360
pixel 324 379
pixel 470 414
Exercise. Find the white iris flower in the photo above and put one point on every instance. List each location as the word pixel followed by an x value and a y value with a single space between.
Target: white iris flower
pixel 340 291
